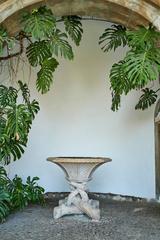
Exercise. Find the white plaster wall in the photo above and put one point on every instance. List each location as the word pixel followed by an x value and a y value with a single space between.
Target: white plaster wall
pixel 76 120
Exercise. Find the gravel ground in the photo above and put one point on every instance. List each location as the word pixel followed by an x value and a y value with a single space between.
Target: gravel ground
pixel 119 221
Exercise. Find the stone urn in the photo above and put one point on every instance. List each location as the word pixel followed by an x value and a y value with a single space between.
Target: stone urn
pixel 78 171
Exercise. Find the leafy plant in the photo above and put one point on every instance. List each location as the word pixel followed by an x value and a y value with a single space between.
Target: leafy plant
pixel 22 194
pixel 73 27
pixel 45 75
pixel 4 202
pixel 113 38
pixel 140 65
pixel 15 121
pixel 39 23
pixel 60 46
pixel 17 193
pixel 37 52
pixel 34 192
pixel 14 194
pixel 148 98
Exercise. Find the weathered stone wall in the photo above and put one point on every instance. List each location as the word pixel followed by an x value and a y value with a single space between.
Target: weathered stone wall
pixel 127 12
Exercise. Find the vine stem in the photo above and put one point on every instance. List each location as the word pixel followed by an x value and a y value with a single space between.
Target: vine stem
pixel 21 36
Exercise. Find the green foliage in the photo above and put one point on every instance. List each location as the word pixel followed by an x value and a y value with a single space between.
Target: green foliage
pixel 45 75
pixel 8 96
pixel 34 192
pixel 4 201
pixel 142 37
pixel 25 91
pixel 140 66
pixel 37 52
pixel 40 23
pixel 120 84
pixel 116 101
pixel 73 27
pixel 148 98
pixel 119 79
pixel 113 38
pixel 22 194
pixel 39 27
pixel 15 121
pixel 18 194
pixel 5 39
pixel 60 46
pixel 14 194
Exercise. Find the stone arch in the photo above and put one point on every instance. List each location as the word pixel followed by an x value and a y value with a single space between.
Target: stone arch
pixel 130 13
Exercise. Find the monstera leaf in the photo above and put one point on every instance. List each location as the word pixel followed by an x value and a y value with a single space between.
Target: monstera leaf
pixel 33 108
pixel 8 96
pixel 40 23
pixel 140 67
pixel 37 52
pixel 113 37
pixel 143 37
pixel 148 98
pixel 119 80
pixel 25 91
pixel 18 122
pixel 73 27
pixel 45 75
pixel 116 100
pixel 11 150
pixel 60 46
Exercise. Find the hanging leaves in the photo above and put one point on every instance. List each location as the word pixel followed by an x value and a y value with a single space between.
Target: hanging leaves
pixel 8 96
pixel 15 121
pixel 140 67
pixel 113 38
pixel 37 52
pixel 120 82
pixel 143 37
pixel 40 23
pixel 60 46
pixel 73 27
pixel 148 98
pixel 45 75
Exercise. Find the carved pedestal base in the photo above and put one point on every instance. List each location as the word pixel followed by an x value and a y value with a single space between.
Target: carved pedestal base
pixel 77 203
pixel 90 208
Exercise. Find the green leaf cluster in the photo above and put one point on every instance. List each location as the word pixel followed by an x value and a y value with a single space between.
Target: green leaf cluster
pixel 39 23
pixel 48 42
pixel 140 66
pixel 44 41
pixel 113 37
pixel 14 194
pixel 15 121
pixel 73 27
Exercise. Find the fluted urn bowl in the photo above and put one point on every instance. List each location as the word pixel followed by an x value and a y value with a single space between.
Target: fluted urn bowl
pixel 78 171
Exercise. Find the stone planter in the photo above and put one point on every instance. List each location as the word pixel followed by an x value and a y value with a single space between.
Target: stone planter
pixel 78 171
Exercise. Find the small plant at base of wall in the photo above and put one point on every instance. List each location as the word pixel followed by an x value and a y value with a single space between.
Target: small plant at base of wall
pixel 14 194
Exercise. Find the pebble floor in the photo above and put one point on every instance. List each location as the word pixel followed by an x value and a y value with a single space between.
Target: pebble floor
pixel 119 221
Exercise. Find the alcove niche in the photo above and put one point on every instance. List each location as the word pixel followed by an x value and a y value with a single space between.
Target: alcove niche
pixel 128 13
